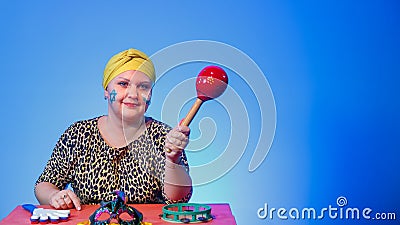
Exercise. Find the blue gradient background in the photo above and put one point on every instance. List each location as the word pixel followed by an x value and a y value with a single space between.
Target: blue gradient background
pixel 333 67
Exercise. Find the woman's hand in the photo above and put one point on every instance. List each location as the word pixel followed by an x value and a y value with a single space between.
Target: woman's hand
pixel 65 199
pixel 175 142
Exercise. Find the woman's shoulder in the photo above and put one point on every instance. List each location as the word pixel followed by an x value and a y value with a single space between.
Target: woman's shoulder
pixel 82 125
pixel 156 125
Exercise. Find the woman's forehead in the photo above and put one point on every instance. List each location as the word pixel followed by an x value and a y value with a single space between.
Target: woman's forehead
pixel 133 75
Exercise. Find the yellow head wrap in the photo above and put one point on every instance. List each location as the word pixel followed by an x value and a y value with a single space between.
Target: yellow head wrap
pixel 130 59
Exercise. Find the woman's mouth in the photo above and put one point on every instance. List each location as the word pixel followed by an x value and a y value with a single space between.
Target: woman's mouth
pixel 130 104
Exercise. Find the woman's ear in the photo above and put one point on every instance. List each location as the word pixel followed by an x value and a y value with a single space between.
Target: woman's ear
pixel 106 94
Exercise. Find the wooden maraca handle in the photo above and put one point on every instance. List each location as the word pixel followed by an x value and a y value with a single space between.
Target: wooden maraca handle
pixel 192 112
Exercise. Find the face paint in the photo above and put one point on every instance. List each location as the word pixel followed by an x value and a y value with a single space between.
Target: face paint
pixel 147 101
pixel 112 96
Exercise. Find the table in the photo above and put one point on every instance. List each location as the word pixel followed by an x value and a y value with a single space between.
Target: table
pixel 221 212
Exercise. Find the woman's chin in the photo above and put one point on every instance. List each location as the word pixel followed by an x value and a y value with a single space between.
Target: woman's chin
pixel 132 115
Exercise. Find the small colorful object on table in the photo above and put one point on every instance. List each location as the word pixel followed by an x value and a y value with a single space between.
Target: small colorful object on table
pixel 186 213
pixel 44 216
pixel 113 211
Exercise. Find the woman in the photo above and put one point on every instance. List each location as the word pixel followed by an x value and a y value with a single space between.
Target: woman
pixel 123 150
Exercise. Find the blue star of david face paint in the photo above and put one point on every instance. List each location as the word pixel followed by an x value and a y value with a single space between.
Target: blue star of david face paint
pixel 112 96
pixel 147 101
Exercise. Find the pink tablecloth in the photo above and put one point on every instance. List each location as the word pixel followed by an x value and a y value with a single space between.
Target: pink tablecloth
pixel 221 212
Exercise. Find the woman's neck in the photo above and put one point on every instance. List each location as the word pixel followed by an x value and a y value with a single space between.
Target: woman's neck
pixel 119 133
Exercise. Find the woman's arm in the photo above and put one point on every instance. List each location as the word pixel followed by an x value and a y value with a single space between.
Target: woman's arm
pixel 55 175
pixel 177 181
pixel 44 191
pixel 48 194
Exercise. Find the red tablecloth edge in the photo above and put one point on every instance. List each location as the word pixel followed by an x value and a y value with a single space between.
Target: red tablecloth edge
pixel 221 211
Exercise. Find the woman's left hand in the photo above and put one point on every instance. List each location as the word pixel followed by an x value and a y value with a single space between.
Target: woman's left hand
pixel 176 141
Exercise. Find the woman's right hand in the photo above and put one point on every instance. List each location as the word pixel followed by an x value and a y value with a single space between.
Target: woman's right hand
pixel 65 199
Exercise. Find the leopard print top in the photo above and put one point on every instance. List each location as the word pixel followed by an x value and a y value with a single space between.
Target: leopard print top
pixel 83 159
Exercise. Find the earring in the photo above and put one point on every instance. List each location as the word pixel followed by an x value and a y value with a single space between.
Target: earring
pixel 105 98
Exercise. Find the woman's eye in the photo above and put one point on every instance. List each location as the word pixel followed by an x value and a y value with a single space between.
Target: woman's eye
pixel 123 84
pixel 144 86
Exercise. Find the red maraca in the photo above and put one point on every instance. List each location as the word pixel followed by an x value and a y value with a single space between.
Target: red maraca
pixel 210 83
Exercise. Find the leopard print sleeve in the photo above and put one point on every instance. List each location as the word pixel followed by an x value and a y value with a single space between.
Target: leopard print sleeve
pixel 58 168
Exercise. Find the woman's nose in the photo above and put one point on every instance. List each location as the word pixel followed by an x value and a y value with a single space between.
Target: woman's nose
pixel 132 91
